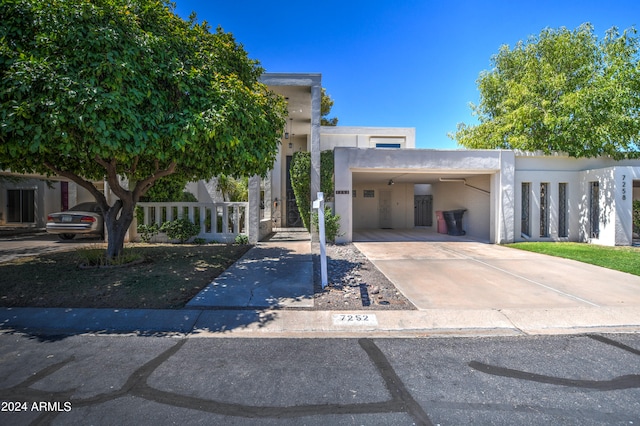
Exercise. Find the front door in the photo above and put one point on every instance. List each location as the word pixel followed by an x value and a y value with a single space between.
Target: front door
pixel 423 213
pixel 384 208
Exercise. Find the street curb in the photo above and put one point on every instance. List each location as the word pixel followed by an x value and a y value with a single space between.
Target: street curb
pixel 256 323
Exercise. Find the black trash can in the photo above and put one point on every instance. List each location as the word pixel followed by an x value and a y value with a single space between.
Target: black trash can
pixel 454 221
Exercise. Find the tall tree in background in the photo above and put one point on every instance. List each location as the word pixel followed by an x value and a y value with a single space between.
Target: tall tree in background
pixel 326 103
pixel 562 91
pixel 127 91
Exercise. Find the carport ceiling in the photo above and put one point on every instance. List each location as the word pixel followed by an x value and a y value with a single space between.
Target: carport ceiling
pixel 415 177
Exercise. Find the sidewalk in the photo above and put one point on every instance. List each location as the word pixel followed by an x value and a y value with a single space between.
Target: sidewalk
pixel 247 301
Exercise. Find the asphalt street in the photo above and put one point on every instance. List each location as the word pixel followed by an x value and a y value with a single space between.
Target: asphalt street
pixel 106 380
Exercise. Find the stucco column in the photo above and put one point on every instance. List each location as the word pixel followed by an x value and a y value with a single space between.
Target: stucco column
pixel 254 209
pixel 267 196
pixel 344 196
pixel 504 189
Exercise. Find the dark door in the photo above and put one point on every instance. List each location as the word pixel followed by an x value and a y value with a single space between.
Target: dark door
pixel 423 213
pixel 293 219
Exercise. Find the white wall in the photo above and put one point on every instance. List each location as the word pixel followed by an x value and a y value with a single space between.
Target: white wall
pixel 473 194
pixel 616 196
pixel 366 210
pixel 365 137
pixel 422 189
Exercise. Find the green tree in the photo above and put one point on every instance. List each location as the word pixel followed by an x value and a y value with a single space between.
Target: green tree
pixel 127 91
pixel 168 190
pixel 562 91
pixel 326 103
pixel 233 189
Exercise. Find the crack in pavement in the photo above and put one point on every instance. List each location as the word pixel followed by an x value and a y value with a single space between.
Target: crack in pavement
pixel 136 385
pixel 629 381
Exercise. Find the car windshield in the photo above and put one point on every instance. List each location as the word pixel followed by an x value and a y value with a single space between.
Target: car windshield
pixel 86 207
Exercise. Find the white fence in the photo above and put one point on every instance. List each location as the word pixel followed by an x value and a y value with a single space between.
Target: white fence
pixel 220 222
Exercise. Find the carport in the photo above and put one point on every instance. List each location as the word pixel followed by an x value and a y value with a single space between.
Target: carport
pixel 400 190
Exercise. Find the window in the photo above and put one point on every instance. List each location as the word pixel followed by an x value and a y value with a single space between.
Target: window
pixel 563 226
pixel 544 209
pixel 389 142
pixel 368 193
pixel 388 145
pixel 594 210
pixel 21 205
pixel 525 224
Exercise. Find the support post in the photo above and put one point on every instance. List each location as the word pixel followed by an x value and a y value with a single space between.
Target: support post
pixel 319 204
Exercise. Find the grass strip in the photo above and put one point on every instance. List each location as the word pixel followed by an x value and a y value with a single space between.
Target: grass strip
pixel 624 259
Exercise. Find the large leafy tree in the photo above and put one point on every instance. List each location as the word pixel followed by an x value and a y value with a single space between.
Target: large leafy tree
pixel 562 91
pixel 127 91
pixel 326 103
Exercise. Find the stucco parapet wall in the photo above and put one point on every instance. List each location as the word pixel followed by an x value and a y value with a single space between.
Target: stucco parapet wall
pixel 527 160
pixel 291 79
pixel 409 132
pixel 469 160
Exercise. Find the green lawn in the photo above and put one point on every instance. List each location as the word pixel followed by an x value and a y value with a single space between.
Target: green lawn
pixel 625 259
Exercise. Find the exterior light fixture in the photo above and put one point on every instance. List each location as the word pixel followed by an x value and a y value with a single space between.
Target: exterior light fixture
pixel 391 182
pixel 286 134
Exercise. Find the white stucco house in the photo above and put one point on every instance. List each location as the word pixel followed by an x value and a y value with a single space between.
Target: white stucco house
pixel 383 181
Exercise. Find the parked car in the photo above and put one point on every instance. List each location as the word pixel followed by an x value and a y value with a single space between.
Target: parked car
pixel 84 218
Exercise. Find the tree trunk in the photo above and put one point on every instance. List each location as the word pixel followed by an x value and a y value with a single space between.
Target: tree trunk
pixel 117 220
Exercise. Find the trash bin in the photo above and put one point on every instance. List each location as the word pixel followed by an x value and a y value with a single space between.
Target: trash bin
pixel 442 224
pixel 453 219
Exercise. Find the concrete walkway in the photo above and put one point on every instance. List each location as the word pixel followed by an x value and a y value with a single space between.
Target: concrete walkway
pixel 274 274
pixel 463 288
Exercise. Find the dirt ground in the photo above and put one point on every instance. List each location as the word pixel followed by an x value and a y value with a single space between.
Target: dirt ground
pixel 353 282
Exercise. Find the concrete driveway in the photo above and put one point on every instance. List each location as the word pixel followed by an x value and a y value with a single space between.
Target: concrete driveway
pixel 26 245
pixel 441 272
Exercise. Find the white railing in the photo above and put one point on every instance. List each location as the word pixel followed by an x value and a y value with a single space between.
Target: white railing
pixel 220 222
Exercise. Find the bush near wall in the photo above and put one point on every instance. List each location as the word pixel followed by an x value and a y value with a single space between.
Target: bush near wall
pixel 636 216
pixel 301 181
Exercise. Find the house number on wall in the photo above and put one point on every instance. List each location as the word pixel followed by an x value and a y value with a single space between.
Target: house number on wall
pixel 624 187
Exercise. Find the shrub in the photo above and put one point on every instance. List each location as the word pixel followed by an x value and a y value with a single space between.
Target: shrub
pixel 180 229
pixel 301 181
pixel 199 241
pixel 331 223
pixel 147 232
pixel 242 239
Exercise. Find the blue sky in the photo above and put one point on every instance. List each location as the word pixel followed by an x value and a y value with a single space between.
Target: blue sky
pixel 398 63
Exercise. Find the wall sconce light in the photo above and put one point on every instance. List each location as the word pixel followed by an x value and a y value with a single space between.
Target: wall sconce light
pixel 290 145
pixel 391 182
pixel 286 134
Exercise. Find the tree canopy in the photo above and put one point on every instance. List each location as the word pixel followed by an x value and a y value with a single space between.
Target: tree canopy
pixel 128 91
pixel 326 103
pixel 561 91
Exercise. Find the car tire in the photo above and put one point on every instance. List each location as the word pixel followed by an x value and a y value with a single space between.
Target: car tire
pixel 66 236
